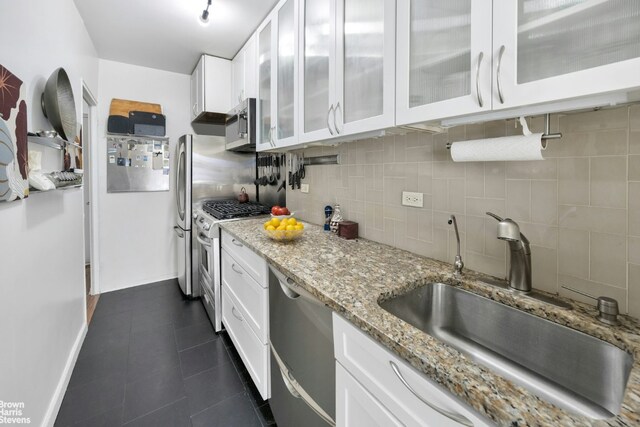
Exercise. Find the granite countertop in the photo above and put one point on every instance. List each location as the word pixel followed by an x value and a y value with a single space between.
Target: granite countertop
pixel 351 276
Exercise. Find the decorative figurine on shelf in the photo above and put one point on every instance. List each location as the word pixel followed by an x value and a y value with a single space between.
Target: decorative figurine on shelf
pixel 336 219
pixel 328 211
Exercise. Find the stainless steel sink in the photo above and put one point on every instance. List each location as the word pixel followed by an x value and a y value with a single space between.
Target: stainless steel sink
pixel 570 369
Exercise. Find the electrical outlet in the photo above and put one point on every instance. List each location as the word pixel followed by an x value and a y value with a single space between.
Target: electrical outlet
pixel 412 199
pixel 304 188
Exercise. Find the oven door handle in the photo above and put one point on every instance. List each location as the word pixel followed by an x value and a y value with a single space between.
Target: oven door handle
pixel 201 239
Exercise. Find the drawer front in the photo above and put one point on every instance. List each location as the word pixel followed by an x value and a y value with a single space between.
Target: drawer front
pixel 252 298
pixel 254 353
pixel 249 260
pixel 356 407
pixel 371 365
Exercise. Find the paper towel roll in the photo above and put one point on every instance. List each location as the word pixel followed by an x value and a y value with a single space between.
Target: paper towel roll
pixel 508 148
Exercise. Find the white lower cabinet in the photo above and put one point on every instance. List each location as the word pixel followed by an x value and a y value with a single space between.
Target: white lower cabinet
pixel 355 406
pixel 253 353
pixel 245 309
pixel 379 385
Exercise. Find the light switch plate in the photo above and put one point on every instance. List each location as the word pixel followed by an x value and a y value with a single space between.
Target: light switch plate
pixel 415 200
pixel 304 188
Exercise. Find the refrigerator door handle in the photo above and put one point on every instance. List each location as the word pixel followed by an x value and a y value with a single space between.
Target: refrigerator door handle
pixel 179 232
pixel 181 184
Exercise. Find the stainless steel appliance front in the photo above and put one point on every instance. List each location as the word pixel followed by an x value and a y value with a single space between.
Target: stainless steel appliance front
pixel 240 127
pixel 204 171
pixel 208 238
pixel 302 361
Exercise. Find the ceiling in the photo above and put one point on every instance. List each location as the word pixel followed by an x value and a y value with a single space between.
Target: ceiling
pixel 167 34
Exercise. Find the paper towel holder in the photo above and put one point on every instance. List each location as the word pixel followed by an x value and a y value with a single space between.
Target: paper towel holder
pixel 547 135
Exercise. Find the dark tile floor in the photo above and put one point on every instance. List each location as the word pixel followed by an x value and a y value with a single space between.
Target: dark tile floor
pixel 151 358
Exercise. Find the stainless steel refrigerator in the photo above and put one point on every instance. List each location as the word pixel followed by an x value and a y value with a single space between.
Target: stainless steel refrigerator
pixel 204 171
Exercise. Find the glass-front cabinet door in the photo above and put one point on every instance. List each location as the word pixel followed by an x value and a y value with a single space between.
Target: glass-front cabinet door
pixel 264 100
pixel 558 49
pixel 285 131
pixel 316 69
pixel 365 65
pixel 443 59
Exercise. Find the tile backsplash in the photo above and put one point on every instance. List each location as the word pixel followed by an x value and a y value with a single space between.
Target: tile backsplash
pixel 580 207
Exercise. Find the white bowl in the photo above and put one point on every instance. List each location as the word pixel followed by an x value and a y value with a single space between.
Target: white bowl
pixel 281 217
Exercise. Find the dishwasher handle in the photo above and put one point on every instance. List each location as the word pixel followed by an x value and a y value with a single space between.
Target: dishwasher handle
pixel 287 287
pixel 292 290
pixel 297 391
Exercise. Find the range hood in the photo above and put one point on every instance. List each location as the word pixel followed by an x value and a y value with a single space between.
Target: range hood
pixel 209 123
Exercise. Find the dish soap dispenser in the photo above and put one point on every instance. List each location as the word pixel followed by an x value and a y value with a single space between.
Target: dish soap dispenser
pixel 336 219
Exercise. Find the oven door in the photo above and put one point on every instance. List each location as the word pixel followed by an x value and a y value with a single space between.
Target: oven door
pixel 209 262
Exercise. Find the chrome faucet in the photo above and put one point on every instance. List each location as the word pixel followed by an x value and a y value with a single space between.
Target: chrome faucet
pixel 520 258
pixel 458 265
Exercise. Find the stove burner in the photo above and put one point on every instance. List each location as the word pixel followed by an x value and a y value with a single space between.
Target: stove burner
pixel 231 209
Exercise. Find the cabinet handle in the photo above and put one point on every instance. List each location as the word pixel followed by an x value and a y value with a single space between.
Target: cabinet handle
pixel 233 267
pixel 273 142
pixel 502 49
pixel 193 109
pixel 478 93
pixel 235 242
pixel 454 417
pixel 335 113
pixel 236 314
pixel 328 116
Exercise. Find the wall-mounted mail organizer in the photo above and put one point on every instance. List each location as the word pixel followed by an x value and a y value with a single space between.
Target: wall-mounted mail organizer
pixel 137 163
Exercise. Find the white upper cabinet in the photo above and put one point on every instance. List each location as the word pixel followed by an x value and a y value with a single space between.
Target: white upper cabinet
pixel 346 67
pixel 286 77
pixel 244 80
pixel 210 91
pixel 197 90
pixel 443 59
pixel 316 69
pixel 237 78
pixel 365 65
pixel 557 49
pixel 277 40
pixel 264 98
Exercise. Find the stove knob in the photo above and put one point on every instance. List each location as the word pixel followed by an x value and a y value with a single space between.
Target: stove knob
pixel 207 226
pixel 195 215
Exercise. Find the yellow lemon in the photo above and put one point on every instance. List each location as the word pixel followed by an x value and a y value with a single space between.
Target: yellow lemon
pixel 270 228
pixel 266 224
pixel 275 222
pixel 299 226
pixel 291 227
pixel 292 221
pixel 282 227
pixel 284 221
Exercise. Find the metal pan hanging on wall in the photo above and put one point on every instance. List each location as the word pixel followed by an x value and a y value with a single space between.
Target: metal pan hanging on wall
pixel 59 106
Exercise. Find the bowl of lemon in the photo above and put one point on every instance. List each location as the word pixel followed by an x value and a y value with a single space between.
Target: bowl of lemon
pixel 283 230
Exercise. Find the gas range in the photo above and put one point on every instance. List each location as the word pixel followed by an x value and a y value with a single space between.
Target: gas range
pixel 215 211
pixel 232 209
pixel 207 236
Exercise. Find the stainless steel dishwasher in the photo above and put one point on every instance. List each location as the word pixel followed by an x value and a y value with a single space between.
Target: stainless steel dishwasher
pixel 303 372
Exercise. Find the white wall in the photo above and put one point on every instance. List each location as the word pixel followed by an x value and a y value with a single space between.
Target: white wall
pixel 137 242
pixel 41 238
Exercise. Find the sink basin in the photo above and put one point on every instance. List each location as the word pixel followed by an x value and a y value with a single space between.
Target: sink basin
pixel 577 372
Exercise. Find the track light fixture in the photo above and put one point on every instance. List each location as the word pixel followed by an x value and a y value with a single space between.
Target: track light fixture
pixel 205 13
